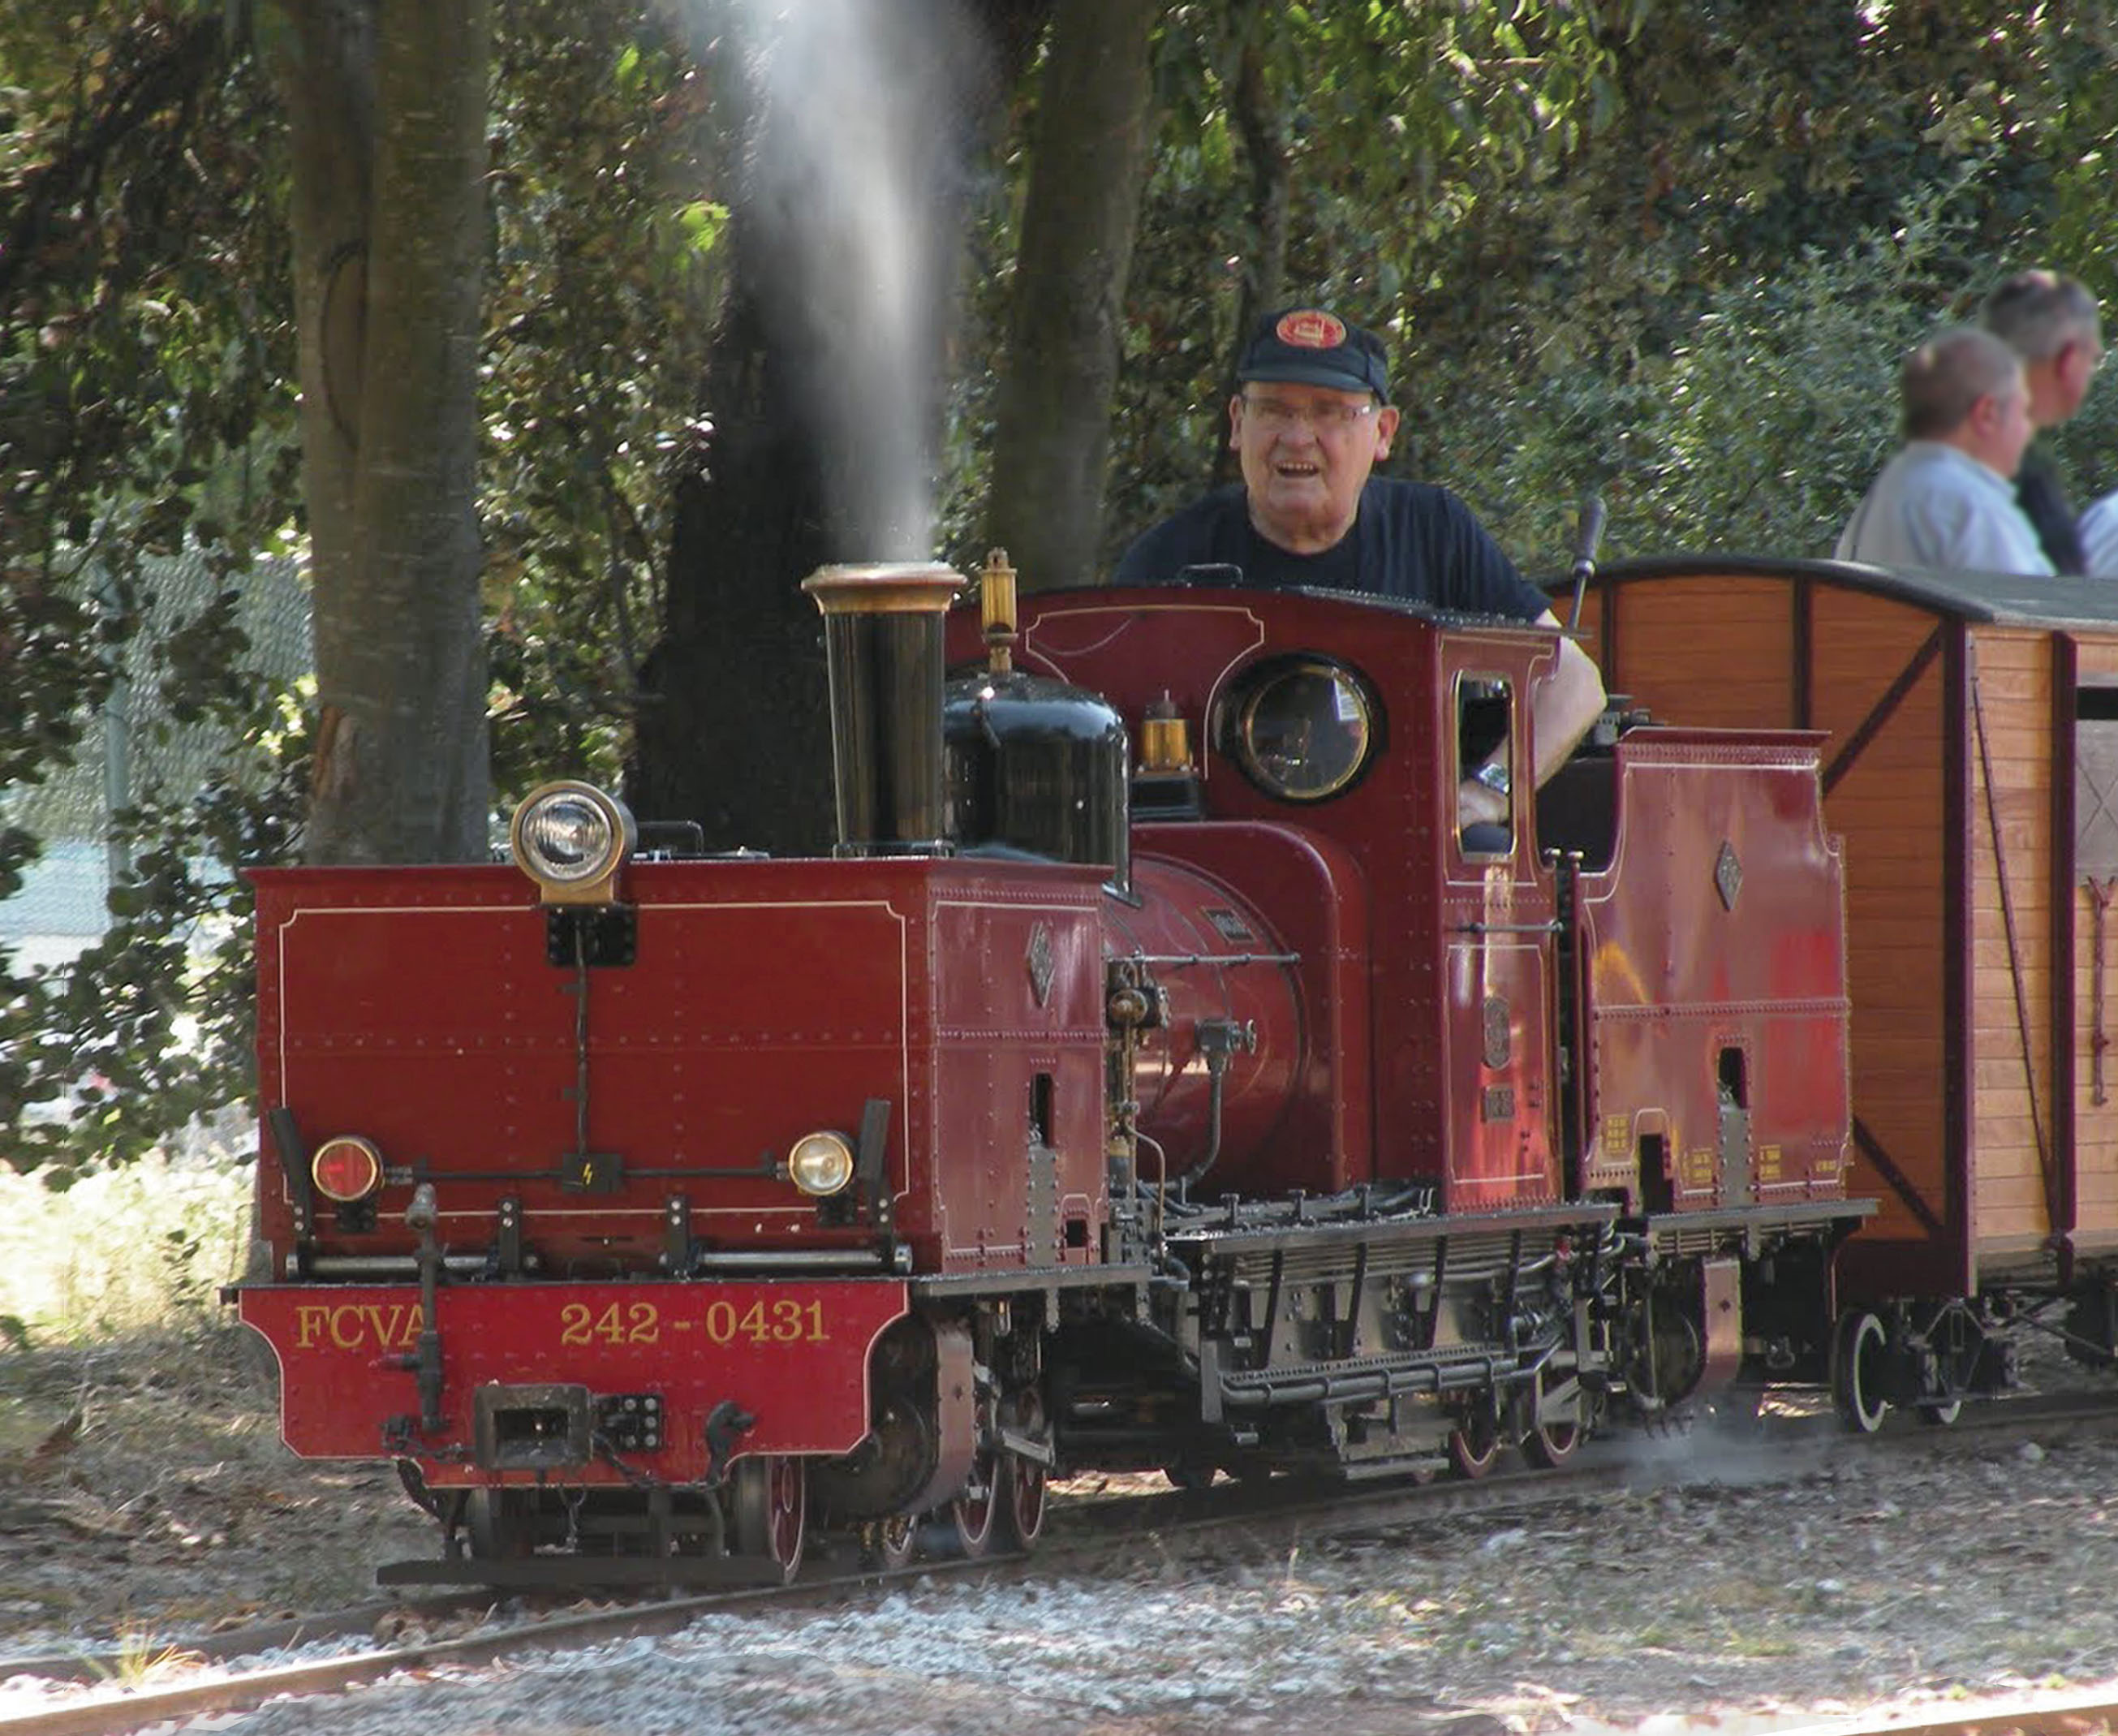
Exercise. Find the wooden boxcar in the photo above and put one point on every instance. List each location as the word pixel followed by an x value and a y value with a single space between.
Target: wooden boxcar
pixel 1972 769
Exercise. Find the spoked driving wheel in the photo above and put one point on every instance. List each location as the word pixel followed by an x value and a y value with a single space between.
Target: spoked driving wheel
pixel 1858 1352
pixel 1022 1479
pixel 970 1522
pixel 772 1510
pixel 1474 1445
pixel 1559 1436
pixel 969 1526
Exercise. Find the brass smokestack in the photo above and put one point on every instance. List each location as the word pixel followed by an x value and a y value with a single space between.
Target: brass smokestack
pixel 882 640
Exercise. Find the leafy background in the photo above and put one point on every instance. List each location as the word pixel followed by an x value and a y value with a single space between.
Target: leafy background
pixel 1669 252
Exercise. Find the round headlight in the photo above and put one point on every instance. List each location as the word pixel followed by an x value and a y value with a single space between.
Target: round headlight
pixel 820 1164
pixel 569 835
pixel 346 1169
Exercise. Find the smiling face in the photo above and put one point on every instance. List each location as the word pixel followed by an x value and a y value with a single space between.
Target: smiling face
pixel 1307 451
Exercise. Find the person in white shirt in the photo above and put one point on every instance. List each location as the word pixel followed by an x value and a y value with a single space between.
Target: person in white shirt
pixel 2052 322
pixel 2099 537
pixel 1947 500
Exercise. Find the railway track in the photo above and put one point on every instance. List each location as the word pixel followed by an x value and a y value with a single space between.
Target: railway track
pixel 231 1672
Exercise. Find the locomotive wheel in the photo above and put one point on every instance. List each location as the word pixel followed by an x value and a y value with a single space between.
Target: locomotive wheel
pixel 889 1543
pixel 1941 1415
pixel 772 1510
pixel 970 1522
pixel 1550 1445
pixel 1474 1446
pixel 1858 1349
pixel 1023 1510
pixel 1022 1480
pixel 970 1525
pixel 1188 1473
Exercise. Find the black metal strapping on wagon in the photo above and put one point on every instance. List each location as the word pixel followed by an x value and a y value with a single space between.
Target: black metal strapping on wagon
pixel 1883 709
pixel 1349 1339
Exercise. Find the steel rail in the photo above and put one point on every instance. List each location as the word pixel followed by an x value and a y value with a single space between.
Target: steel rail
pixel 1079 1538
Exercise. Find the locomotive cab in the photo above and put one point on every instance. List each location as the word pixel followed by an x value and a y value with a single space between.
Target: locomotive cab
pixel 1627 992
pixel 1297 765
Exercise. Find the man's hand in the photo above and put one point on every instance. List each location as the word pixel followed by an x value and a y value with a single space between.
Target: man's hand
pixel 1477 805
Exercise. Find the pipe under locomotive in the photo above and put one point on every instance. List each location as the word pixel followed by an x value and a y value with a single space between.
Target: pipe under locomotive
pixel 1114 1095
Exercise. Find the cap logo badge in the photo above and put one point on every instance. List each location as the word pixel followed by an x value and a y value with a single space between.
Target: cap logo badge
pixel 1310 328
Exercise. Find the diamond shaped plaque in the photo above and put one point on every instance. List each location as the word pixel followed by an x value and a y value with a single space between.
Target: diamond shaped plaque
pixel 1728 875
pixel 1043 966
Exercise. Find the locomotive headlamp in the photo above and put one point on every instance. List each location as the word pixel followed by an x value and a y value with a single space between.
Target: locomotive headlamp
pixel 820 1164
pixel 571 839
pixel 346 1169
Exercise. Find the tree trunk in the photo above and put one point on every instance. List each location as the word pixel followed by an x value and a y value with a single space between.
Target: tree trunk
pixel 1052 438
pixel 1254 109
pixel 389 130
pixel 732 730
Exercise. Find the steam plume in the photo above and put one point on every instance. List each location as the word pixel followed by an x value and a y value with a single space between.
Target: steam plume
pixel 854 191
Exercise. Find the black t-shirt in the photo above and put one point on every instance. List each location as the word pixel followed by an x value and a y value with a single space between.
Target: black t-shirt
pixel 2042 497
pixel 1409 539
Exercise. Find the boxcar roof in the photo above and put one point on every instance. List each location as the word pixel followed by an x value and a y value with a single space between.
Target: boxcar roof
pixel 2006 599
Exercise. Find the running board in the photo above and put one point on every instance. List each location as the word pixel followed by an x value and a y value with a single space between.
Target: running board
pixel 1362 1380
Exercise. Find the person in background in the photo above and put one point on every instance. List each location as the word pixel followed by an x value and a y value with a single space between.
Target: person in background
pixel 2099 537
pixel 1310 421
pixel 1947 500
pixel 2052 322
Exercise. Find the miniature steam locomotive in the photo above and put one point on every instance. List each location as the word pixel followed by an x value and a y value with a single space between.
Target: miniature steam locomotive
pixel 1155 1075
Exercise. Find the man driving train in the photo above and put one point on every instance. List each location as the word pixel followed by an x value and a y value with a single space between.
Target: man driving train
pixel 1310 421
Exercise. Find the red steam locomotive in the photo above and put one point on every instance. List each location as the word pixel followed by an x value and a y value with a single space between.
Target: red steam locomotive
pixel 1155 1075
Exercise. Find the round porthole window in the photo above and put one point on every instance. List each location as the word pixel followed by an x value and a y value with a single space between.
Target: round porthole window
pixel 1304 728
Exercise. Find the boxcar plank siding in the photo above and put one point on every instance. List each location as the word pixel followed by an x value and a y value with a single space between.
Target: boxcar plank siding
pixel 1715 636
pixel 1994 913
pixel 2014 1122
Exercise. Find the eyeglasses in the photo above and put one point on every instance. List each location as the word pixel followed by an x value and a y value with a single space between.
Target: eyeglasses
pixel 1279 416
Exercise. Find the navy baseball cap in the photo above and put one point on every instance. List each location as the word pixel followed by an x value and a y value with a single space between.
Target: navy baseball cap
pixel 1306 346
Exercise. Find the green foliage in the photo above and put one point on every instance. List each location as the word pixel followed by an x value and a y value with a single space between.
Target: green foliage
pixel 139 1250
pixel 147 407
pixel 1670 249
pixel 601 307
pixel 1756 432
pixel 149 1030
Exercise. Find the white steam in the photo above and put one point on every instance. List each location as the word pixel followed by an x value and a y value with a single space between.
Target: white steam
pixel 853 182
